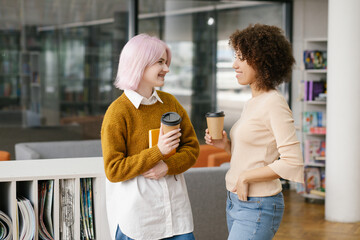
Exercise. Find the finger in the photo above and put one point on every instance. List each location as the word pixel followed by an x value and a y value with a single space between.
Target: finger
pixel 207 139
pixel 244 198
pixel 161 130
pixel 172 133
pixel 239 196
pixel 146 176
pixel 172 139
pixel 172 145
pixel 175 146
pixel 207 131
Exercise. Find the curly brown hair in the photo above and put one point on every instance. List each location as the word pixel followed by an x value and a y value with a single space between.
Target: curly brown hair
pixel 267 51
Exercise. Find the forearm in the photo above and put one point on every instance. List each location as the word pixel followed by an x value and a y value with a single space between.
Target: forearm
pixel 182 160
pixel 262 174
pixel 119 168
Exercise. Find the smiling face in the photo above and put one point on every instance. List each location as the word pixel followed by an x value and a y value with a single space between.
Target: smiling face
pixel 154 75
pixel 245 74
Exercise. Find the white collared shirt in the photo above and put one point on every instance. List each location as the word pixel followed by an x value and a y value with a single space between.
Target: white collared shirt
pixel 147 209
pixel 137 99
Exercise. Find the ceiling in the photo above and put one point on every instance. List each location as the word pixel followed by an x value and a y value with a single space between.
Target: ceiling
pixel 42 13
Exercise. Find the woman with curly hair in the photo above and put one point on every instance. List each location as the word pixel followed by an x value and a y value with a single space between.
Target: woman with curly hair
pixel 263 145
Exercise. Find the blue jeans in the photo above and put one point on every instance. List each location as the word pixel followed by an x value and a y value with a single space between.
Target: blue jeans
pixel 257 219
pixel 188 236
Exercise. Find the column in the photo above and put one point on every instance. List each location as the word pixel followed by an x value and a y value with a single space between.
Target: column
pixel 120 38
pixel 342 202
pixel 203 99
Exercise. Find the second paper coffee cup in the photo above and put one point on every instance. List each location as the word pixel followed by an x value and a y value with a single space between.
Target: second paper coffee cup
pixel 215 123
pixel 170 121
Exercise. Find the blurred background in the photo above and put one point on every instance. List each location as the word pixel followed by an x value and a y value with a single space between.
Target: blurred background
pixel 58 60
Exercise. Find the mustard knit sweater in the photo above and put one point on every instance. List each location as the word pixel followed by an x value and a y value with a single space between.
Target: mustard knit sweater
pixel 125 138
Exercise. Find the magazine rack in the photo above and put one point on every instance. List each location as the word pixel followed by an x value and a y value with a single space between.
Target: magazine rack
pixel 21 178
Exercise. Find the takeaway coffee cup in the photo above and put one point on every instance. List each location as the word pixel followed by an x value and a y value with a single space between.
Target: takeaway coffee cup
pixel 170 121
pixel 215 122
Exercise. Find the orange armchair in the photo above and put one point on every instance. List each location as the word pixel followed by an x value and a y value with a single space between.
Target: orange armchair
pixel 4 156
pixel 216 159
pixel 205 152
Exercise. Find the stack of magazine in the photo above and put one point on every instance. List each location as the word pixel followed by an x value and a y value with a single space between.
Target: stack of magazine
pixel 67 201
pixel 46 195
pixel 5 227
pixel 87 226
pixel 26 218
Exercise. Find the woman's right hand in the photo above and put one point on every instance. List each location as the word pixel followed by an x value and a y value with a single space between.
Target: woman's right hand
pixel 168 141
pixel 223 143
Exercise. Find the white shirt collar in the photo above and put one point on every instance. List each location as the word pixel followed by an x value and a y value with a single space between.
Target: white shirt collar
pixel 136 99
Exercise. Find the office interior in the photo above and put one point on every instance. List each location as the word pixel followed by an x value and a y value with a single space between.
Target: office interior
pixel 58 59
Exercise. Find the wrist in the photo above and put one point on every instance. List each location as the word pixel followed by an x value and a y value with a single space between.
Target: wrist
pixel 243 178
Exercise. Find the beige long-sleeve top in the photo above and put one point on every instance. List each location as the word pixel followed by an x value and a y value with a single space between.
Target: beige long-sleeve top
pixel 264 133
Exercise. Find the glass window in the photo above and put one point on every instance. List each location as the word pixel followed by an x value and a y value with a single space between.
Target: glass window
pixel 58 60
pixel 201 75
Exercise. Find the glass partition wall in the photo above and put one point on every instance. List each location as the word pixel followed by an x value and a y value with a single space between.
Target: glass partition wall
pixel 201 74
pixel 58 60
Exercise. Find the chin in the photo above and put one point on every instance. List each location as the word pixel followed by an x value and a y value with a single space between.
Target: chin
pixel 241 83
pixel 160 84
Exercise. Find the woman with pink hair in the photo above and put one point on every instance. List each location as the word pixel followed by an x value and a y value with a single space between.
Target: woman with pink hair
pixel 146 194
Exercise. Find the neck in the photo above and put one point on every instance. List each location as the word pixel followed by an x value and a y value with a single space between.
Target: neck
pixel 145 91
pixel 255 91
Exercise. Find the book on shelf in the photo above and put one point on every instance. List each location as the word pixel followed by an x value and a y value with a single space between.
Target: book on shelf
pixel 26 219
pixel 314 122
pixel 154 138
pixel 315 90
pixel 67 207
pixel 314 151
pixel 6 227
pixel 315 59
pixel 45 210
pixel 87 222
pixel 314 179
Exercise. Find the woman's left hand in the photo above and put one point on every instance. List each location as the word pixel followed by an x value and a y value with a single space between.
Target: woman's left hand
pixel 242 189
pixel 157 172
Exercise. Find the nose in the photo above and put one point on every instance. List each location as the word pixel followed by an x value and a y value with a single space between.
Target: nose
pixel 235 64
pixel 166 68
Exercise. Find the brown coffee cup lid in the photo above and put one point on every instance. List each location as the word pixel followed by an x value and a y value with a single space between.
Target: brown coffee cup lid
pixel 171 119
pixel 215 114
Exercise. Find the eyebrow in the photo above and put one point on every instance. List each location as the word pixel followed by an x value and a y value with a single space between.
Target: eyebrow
pixel 161 59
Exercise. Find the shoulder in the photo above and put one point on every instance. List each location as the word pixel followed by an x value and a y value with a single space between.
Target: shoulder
pixel 276 105
pixel 168 99
pixel 275 99
pixel 165 96
pixel 120 106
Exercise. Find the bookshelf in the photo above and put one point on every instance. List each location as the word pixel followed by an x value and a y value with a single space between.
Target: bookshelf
pixel 313 124
pixel 23 178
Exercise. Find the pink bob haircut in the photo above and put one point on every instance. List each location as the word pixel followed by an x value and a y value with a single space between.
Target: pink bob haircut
pixel 138 53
